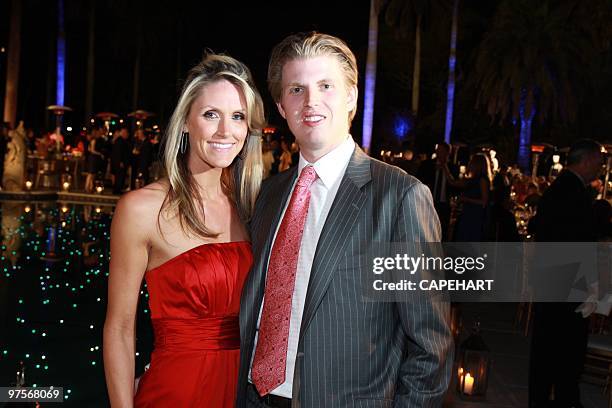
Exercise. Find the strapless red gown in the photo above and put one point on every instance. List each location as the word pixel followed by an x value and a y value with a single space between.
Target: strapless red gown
pixel 194 300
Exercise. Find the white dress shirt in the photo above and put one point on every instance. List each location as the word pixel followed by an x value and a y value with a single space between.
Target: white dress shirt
pixel 330 170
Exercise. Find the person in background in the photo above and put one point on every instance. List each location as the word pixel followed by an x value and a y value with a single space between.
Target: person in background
pixel 472 222
pixel 434 173
pixel 267 159
pixel 533 195
pixel 120 159
pixel 603 220
pixel 503 228
pixel 140 159
pixel 95 162
pixel 560 332
pixel 285 157
pixel 276 153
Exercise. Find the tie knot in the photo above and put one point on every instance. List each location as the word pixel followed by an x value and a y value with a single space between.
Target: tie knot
pixel 307 177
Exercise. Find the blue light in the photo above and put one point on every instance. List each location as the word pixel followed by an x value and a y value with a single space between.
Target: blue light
pixel 401 127
pixel 61 54
pixel 370 80
pixel 525 135
pixel 450 88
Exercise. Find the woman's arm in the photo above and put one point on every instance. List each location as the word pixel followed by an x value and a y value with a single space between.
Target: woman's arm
pixel 452 181
pixel 129 259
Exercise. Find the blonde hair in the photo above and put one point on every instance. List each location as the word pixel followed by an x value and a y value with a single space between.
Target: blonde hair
pixel 310 45
pixel 242 179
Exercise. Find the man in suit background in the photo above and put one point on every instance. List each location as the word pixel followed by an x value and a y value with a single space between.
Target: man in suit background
pixel 308 338
pixel 432 173
pixel 560 332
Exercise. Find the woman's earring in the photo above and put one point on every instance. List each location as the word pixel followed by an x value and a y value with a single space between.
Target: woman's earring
pixel 184 142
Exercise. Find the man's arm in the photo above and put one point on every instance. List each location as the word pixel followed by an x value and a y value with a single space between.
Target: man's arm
pixel 426 370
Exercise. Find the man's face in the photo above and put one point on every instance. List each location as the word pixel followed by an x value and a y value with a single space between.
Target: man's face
pixel 593 166
pixel 316 101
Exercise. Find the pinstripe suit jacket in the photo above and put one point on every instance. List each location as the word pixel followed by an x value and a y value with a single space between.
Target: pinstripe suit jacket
pixel 353 353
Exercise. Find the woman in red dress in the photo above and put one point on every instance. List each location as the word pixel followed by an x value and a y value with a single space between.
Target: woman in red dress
pixel 185 235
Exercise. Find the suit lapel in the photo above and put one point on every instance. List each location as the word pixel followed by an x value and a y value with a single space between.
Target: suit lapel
pixel 336 232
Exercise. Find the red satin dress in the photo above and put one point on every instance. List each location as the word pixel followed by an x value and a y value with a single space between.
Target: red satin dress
pixel 194 300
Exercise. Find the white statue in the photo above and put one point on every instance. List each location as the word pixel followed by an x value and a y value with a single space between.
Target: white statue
pixel 15 161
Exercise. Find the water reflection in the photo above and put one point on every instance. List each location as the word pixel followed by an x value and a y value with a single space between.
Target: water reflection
pixel 53 283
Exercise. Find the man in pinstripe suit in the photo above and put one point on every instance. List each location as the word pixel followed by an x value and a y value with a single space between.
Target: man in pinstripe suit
pixel 323 345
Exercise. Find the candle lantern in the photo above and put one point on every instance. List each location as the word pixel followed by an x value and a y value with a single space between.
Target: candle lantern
pixel 474 361
pixel 99 186
pixel 66 179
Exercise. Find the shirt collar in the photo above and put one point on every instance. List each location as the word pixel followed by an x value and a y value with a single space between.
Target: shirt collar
pixel 331 167
pixel 577 175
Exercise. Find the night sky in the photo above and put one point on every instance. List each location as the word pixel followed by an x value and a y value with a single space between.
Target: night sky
pixel 174 36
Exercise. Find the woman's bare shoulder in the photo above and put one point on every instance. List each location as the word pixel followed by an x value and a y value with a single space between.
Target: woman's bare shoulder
pixel 143 204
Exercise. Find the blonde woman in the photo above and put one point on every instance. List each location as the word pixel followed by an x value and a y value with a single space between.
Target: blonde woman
pixel 185 235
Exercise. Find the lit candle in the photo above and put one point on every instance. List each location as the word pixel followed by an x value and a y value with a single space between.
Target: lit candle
pixel 99 189
pixel 66 185
pixel 468 384
pixel 28 184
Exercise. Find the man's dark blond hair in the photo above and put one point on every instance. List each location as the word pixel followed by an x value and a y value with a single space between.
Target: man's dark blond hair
pixel 310 45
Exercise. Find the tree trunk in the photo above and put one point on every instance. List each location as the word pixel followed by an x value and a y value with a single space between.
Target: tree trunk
pixel 12 72
pixel 61 55
pixel 452 62
pixel 89 88
pixel 135 88
pixel 526 119
pixel 416 76
pixel 370 79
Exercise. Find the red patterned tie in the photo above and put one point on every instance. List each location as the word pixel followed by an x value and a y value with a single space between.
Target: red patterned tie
pixel 268 369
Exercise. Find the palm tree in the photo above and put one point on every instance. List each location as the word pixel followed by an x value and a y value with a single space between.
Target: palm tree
pixel 525 65
pixel 452 63
pixel 89 87
pixel 61 54
pixel 12 72
pixel 370 78
pixel 402 15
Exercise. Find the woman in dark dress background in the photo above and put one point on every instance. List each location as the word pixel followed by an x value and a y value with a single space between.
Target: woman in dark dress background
pixel 471 223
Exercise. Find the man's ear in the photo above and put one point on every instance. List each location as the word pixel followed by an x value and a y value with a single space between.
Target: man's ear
pixel 281 110
pixel 351 101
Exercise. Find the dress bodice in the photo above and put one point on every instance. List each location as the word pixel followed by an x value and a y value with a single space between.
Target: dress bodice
pixel 204 281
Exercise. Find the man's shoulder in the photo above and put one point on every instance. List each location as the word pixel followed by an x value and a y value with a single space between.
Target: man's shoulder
pixel 278 179
pixel 389 176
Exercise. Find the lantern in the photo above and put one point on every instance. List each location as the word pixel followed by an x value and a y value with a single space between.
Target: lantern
pixel 66 179
pixel 99 186
pixel 474 362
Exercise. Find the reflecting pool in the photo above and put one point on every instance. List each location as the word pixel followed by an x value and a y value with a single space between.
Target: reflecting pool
pixel 53 286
